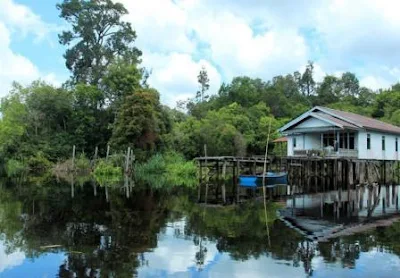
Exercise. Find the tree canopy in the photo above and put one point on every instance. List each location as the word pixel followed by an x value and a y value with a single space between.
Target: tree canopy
pixel 107 100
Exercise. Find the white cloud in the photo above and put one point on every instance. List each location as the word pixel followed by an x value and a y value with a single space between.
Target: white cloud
pixel 375 82
pixel 258 38
pixel 236 48
pixel 22 19
pixel 15 67
pixel 160 25
pixel 10 260
pixel 267 38
pixel 174 75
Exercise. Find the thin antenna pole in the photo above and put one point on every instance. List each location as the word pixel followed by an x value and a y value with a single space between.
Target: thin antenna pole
pixel 263 183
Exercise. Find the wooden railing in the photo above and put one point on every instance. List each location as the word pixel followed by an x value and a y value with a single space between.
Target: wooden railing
pixel 326 153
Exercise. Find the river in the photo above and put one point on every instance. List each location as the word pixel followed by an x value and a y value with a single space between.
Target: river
pixel 53 228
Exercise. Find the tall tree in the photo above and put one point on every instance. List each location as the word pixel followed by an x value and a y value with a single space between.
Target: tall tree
pixel 328 91
pixel 97 37
pixel 351 86
pixel 204 83
pixel 307 84
pixel 139 123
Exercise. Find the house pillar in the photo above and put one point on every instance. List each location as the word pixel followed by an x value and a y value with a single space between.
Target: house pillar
pixel 322 140
pixel 338 141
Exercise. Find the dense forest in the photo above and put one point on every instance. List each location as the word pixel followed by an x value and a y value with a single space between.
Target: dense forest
pixel 108 100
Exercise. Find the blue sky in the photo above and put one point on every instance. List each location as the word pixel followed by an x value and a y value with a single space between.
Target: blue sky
pixel 258 38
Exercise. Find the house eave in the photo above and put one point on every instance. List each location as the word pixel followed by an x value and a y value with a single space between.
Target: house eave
pixel 316 130
pixel 305 116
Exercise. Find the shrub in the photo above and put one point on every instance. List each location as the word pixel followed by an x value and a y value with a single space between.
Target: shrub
pixel 15 168
pixel 38 162
pixel 82 163
pixel 166 171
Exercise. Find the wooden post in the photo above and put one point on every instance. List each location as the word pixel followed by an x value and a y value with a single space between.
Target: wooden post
pixel 223 183
pixel 351 174
pixel 96 151
pixel 335 174
pixel 200 181
pixel 73 158
pixel 108 152
pixel 94 188
pixel 237 180
pixel 218 184
pixel 72 186
pixel 206 193
pixel 128 153
pixel 234 179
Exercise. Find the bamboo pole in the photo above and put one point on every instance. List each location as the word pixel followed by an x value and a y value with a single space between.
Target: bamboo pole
pixel 223 189
pixel 128 154
pixel 108 151
pixel 200 180
pixel 205 155
pixel 237 181
pixel 263 184
pixel 73 157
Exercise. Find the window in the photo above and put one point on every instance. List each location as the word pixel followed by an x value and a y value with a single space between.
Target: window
pixel 396 146
pixel 343 140
pixel 368 141
pixel 347 140
pixel 328 139
pixel 294 142
pixel 351 141
pixel 383 143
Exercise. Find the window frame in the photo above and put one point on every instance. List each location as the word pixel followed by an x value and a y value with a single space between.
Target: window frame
pixel 368 141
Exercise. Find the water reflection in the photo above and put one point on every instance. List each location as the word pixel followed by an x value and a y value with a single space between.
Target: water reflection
pixel 122 231
pixel 321 214
pixel 9 259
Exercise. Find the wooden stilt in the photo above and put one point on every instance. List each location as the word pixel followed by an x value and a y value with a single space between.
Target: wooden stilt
pixel 223 183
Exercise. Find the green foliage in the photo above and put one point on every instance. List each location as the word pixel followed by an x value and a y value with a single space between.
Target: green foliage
pixel 140 121
pixel 122 78
pixel 104 168
pixel 15 168
pixel 82 163
pixel 12 121
pixel 96 38
pixel 166 171
pixel 231 130
pixel 38 162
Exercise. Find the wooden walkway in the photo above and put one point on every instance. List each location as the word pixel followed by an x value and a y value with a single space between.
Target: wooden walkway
pixel 219 175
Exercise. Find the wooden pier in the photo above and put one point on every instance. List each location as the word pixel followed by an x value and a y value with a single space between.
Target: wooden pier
pixel 218 180
pixel 219 176
pixel 320 174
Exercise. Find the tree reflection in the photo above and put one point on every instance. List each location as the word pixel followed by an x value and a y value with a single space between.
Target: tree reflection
pixel 111 238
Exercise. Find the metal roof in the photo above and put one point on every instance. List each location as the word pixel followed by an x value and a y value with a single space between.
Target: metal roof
pixel 343 119
pixel 337 121
pixel 362 121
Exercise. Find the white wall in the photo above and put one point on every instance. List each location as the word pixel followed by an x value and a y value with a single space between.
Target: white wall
pixel 304 142
pixel 290 145
pixel 299 143
pixel 376 146
pixel 312 141
pixel 313 122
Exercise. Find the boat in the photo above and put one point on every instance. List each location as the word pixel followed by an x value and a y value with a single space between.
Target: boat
pixel 271 179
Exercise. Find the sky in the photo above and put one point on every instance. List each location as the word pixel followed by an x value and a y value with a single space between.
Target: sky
pixel 257 38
